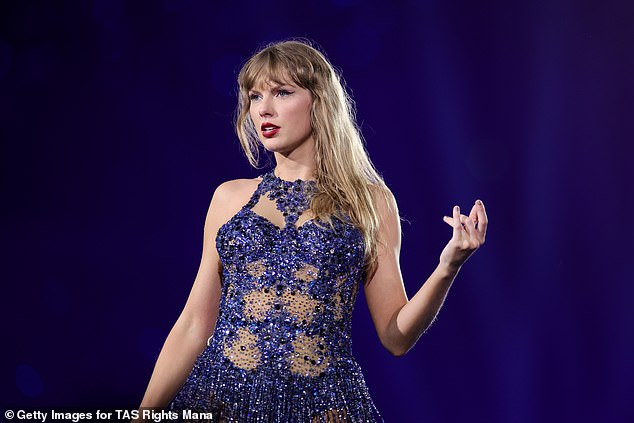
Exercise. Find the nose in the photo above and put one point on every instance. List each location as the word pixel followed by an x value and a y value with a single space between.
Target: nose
pixel 265 107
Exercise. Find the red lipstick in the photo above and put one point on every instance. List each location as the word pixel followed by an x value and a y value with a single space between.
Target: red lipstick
pixel 269 130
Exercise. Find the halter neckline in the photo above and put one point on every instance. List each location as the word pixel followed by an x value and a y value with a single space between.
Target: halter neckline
pixel 296 181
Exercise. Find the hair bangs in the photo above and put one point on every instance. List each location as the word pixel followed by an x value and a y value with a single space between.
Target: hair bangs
pixel 272 66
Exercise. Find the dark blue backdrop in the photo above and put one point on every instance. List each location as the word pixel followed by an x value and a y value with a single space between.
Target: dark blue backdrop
pixel 116 128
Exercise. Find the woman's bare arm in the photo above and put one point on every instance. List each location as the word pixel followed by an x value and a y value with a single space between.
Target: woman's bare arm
pixel 196 323
pixel 400 322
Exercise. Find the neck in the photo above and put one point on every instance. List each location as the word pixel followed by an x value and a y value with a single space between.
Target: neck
pixel 291 170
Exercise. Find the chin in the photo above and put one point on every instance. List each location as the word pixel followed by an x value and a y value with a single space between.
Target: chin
pixel 273 145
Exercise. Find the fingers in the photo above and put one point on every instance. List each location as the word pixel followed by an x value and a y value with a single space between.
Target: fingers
pixel 475 225
pixel 482 219
pixel 473 215
pixel 469 225
pixel 449 220
pixel 457 223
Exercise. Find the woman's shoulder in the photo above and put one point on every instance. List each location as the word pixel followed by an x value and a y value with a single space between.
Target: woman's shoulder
pixel 229 197
pixel 382 196
pixel 236 190
pixel 237 186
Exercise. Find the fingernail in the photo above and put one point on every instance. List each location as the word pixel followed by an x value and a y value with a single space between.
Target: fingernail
pixel 458 209
pixel 479 202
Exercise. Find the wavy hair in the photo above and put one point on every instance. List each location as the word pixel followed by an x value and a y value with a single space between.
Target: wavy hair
pixel 348 185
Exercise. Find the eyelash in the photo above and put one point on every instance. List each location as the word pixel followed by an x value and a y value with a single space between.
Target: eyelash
pixel 279 93
pixel 285 92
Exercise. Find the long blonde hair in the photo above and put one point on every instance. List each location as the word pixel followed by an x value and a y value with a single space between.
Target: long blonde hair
pixel 347 182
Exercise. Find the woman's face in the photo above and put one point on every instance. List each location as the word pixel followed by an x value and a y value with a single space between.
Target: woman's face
pixel 281 115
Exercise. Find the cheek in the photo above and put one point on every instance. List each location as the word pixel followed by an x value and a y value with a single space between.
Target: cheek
pixel 306 121
pixel 307 114
pixel 299 115
pixel 252 114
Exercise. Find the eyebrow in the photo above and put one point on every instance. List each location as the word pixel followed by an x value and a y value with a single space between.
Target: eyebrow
pixel 275 85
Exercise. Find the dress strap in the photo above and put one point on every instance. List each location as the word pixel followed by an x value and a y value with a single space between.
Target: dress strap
pixel 255 197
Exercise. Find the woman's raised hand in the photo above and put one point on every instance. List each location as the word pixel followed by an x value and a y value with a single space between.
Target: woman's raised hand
pixel 468 235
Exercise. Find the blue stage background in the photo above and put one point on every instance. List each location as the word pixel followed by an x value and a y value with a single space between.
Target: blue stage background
pixel 116 127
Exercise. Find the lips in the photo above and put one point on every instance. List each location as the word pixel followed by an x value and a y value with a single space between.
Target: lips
pixel 269 130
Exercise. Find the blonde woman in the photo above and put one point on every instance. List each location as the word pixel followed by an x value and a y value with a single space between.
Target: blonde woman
pixel 265 332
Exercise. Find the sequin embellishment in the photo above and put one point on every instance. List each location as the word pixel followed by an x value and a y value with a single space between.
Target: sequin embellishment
pixel 281 349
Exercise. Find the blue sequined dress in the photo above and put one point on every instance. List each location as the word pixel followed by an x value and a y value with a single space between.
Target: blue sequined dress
pixel 281 349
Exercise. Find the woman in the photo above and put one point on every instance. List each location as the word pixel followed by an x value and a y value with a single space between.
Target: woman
pixel 265 332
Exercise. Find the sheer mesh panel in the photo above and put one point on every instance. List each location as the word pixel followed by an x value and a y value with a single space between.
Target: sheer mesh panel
pixel 242 351
pixel 267 209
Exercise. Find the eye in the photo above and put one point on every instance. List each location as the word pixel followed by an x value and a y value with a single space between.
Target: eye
pixel 283 93
pixel 254 96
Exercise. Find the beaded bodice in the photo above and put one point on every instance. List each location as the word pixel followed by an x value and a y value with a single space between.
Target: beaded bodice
pixel 281 349
pixel 289 283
